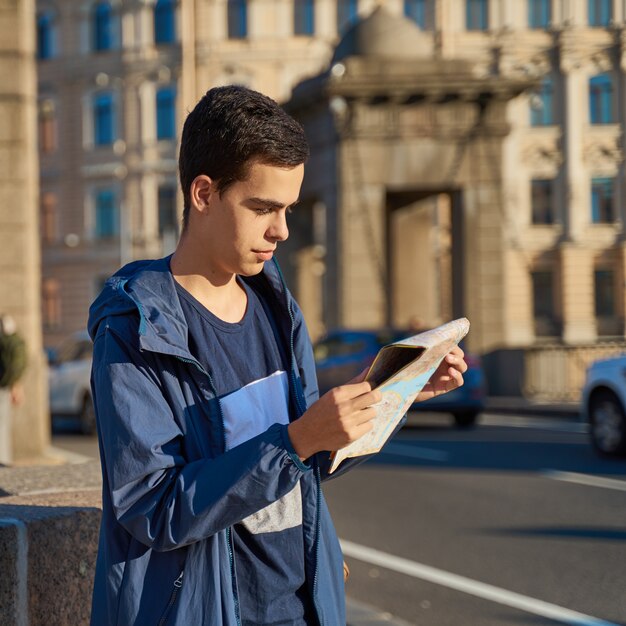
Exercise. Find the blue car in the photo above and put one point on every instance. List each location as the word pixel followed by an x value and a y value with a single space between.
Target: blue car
pixel 343 354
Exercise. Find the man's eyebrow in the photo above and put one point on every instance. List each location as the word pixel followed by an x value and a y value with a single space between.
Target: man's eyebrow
pixel 269 203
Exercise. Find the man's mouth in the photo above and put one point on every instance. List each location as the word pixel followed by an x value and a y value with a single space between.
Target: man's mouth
pixel 265 255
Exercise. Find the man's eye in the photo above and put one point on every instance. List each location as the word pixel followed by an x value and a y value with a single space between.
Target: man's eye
pixel 263 211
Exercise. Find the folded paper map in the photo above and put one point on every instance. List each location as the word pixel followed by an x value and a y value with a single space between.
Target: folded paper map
pixel 400 370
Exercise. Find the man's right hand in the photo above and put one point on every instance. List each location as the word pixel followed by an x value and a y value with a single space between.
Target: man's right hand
pixel 337 419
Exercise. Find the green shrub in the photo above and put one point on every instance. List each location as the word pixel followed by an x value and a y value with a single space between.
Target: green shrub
pixel 13 359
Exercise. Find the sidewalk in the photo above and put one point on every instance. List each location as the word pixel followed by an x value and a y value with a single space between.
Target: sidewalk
pixel 359 614
pixel 523 406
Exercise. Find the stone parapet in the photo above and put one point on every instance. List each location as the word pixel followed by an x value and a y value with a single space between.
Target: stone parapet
pixel 49 522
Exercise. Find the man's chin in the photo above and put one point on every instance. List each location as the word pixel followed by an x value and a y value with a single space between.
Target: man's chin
pixel 252 269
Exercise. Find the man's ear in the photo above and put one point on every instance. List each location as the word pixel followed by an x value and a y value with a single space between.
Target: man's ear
pixel 200 193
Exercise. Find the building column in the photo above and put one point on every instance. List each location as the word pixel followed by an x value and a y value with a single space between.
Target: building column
pixel 575 214
pixel 20 265
pixel 577 293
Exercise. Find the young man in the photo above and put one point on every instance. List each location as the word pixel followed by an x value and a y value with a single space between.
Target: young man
pixel 212 438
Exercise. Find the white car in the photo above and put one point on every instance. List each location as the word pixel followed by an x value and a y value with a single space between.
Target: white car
pixel 604 405
pixel 69 381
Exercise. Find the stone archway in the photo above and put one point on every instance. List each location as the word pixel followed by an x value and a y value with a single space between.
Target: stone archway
pixel 388 122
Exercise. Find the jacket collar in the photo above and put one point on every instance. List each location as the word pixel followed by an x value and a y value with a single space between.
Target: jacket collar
pixel 148 289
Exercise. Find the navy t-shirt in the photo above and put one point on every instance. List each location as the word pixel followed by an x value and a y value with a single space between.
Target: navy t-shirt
pixel 250 380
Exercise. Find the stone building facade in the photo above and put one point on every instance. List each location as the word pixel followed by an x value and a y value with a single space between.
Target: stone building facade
pixel 560 272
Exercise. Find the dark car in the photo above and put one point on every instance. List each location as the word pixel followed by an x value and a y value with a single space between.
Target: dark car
pixel 343 354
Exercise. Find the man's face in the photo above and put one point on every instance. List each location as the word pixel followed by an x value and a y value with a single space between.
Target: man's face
pixel 243 227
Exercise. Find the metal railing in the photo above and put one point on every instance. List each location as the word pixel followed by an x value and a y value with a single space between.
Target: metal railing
pixel 556 373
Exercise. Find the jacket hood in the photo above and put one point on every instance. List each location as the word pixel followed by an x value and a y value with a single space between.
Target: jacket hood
pixel 147 289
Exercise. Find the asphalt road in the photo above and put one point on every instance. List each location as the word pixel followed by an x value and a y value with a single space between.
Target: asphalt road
pixel 487 527
pixel 515 522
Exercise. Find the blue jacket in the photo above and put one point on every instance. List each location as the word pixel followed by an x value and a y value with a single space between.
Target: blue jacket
pixel 170 490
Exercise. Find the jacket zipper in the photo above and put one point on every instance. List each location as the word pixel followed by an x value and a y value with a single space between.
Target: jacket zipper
pixel 178 583
pixel 229 538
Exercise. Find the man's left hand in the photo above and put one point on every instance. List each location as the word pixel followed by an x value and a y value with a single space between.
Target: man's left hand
pixel 448 376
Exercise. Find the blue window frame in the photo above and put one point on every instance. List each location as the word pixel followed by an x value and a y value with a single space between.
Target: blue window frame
pixel 166 112
pixel 102 27
pixel 476 14
pixel 164 22
pixel 542 104
pixel 347 14
pixel 601 99
pixel 603 200
pixel 237 19
pixel 45 36
pixel 599 12
pixel 107 214
pixel 539 13
pixel 103 119
pixel 416 10
pixel 303 17
pixel 542 201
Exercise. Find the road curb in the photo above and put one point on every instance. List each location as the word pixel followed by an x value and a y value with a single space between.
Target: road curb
pixel 360 614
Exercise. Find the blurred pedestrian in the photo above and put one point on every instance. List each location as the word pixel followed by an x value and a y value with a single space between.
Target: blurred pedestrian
pixel 213 440
pixel 13 361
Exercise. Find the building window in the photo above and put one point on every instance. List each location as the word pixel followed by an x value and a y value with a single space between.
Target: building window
pixel 416 11
pixel 104 119
pixel 604 287
pixel 600 12
pixel 303 17
pixel 542 105
pixel 237 19
pixel 347 14
pixel 47 127
pixel 476 14
pixel 168 217
pixel 603 200
pixel 106 214
pixel 102 20
pixel 51 303
pixel 539 13
pixel 166 112
pixel 543 303
pixel 542 201
pixel 45 36
pixel 601 99
pixel 164 22
pixel 48 222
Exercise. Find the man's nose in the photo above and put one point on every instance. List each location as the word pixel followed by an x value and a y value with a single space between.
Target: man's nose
pixel 278 230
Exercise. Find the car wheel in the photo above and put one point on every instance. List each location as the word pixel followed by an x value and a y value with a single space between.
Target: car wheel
pixel 88 416
pixel 465 419
pixel 607 423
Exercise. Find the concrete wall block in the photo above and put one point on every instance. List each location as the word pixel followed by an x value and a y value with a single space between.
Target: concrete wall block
pixel 48 547
pixel 13 559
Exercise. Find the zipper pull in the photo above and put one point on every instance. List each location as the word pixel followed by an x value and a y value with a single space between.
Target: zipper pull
pixel 178 583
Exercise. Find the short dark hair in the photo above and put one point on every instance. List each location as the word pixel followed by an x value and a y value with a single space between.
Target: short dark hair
pixel 229 129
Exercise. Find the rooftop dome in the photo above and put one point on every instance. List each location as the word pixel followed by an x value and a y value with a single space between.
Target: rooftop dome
pixel 384 35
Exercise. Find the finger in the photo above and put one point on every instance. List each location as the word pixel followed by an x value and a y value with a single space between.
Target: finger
pixel 456 375
pixel 366 400
pixel 457 361
pixel 354 390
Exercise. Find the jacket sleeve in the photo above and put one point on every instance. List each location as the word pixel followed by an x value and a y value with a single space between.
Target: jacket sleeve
pixel 306 364
pixel 159 497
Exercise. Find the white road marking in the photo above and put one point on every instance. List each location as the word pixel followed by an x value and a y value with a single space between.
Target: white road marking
pixel 585 479
pixel 472 587
pixel 539 423
pixel 415 452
